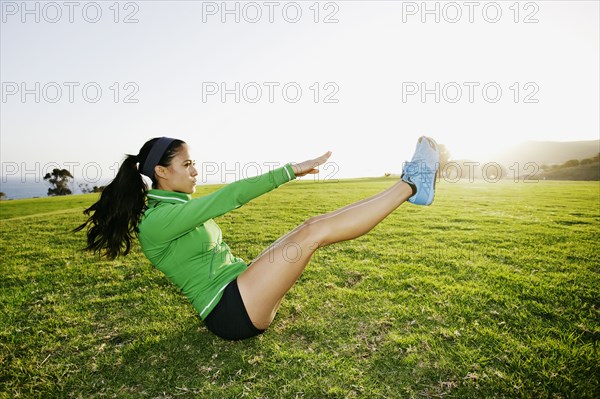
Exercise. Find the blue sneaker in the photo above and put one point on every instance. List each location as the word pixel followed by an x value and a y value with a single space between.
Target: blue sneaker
pixel 421 171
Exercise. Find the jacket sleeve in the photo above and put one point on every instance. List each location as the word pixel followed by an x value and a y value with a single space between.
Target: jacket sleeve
pixel 166 223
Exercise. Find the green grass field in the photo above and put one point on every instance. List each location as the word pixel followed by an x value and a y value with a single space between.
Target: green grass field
pixel 492 292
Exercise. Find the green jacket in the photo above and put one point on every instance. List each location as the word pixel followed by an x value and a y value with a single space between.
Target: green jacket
pixel 181 239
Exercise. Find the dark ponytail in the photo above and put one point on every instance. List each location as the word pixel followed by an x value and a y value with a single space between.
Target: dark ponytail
pixel 116 215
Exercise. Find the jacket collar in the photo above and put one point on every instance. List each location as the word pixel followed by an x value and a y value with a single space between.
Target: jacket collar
pixel 171 197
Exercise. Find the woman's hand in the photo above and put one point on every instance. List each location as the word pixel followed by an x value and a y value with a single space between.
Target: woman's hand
pixel 310 166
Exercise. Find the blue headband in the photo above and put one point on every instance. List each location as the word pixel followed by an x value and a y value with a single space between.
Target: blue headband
pixel 156 153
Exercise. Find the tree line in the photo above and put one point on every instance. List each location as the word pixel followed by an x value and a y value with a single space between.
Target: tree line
pixel 60 180
pixel 572 163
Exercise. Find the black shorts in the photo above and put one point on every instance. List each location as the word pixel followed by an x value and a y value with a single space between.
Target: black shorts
pixel 229 319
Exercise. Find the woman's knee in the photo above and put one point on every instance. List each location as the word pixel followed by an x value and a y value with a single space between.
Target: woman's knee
pixel 315 232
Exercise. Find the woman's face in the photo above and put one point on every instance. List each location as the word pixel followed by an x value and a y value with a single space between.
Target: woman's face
pixel 181 175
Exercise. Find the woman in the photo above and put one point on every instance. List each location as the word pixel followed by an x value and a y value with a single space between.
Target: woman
pixel 179 236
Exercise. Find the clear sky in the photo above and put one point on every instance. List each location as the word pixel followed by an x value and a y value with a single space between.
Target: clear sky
pixel 502 73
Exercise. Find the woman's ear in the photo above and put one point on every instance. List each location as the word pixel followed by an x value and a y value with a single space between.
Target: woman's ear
pixel 161 172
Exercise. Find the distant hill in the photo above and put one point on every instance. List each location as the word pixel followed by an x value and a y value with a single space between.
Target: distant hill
pixel 581 172
pixel 548 152
pixel 545 160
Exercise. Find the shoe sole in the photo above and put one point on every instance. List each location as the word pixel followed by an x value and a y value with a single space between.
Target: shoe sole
pixel 435 146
